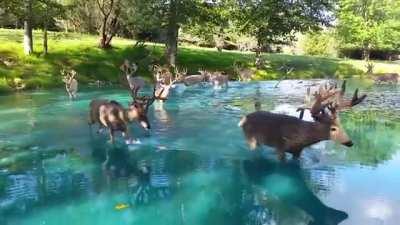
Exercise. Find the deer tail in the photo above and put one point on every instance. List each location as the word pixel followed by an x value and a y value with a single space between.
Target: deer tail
pixel 242 121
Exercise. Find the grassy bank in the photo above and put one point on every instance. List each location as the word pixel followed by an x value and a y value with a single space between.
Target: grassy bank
pixel 80 52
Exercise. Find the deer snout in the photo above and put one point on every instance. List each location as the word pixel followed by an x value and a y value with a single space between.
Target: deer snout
pixel 145 125
pixel 348 143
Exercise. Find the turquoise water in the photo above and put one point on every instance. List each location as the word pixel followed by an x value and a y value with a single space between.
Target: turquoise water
pixel 194 167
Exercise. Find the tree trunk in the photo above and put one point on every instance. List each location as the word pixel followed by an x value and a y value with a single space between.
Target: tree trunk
pixel 171 49
pixel 112 28
pixel 45 48
pixel 28 39
pixel 366 54
pixel 366 51
pixel 259 63
pixel 103 30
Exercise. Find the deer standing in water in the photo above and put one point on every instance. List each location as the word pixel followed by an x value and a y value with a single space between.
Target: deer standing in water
pixel 218 79
pixel 112 115
pixel 391 78
pixel 71 84
pixel 165 80
pixel 291 134
pixel 244 74
pixel 135 82
pixel 190 80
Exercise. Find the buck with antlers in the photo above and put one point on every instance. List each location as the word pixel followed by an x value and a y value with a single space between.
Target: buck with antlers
pixel 291 134
pixel 112 115
pixel 164 81
pixel 71 84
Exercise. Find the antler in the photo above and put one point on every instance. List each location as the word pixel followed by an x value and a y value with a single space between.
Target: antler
pixel 342 103
pixel 145 100
pixel 332 99
pixel 178 75
pixel 318 108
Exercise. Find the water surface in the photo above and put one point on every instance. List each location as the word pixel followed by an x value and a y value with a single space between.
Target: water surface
pixel 194 167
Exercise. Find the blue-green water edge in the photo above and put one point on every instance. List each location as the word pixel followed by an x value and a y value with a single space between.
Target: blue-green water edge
pixel 194 167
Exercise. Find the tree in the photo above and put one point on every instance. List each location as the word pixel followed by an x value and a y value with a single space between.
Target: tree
pixel 277 21
pixel 34 14
pixel 47 10
pixel 82 16
pixel 28 26
pixel 369 24
pixel 169 15
pixel 110 11
pixel 213 22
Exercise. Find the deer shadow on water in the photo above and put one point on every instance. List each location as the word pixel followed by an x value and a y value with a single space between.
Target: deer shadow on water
pixel 273 177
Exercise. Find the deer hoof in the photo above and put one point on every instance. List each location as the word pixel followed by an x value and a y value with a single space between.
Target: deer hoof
pixel 100 131
pixel 133 141
pixel 252 143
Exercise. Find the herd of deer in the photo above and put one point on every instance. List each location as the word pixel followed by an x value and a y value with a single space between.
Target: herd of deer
pixel 283 132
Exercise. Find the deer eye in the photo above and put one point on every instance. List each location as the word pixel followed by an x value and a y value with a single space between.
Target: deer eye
pixel 333 129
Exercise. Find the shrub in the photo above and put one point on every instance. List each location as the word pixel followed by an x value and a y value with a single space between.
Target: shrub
pixel 320 43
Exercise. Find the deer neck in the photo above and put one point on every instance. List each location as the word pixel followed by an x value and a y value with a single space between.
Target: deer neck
pixel 129 116
pixel 318 132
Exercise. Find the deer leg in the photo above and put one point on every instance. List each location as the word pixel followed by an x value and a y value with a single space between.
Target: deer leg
pixel 296 153
pixel 126 133
pixel 112 136
pixel 100 129
pixel 91 120
pixel 281 155
pixel 252 142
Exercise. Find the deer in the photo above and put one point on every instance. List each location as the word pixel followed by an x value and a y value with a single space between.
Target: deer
pixel 162 90
pixel 135 82
pixel 112 115
pixel 292 134
pixel 218 79
pixel 164 81
pixel 71 84
pixel 391 78
pixel 161 74
pixel 190 80
pixel 244 74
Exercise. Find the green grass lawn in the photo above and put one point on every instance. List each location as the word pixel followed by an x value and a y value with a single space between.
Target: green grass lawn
pixel 80 52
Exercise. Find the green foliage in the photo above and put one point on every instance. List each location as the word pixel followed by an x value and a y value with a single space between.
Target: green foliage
pixel 44 11
pixel 321 43
pixel 369 24
pixel 276 21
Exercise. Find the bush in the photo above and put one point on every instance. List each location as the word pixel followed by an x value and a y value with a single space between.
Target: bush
pixel 320 44
pixel 376 54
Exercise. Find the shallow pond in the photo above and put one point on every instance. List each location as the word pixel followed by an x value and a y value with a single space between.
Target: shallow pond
pixel 194 166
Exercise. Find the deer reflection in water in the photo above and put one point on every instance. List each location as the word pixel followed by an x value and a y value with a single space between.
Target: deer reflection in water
pixel 258 191
pixel 286 183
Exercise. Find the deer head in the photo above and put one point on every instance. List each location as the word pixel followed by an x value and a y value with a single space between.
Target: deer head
pixel 206 74
pixel 180 74
pixel 163 87
pixel 327 103
pixel 68 76
pixel 138 109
